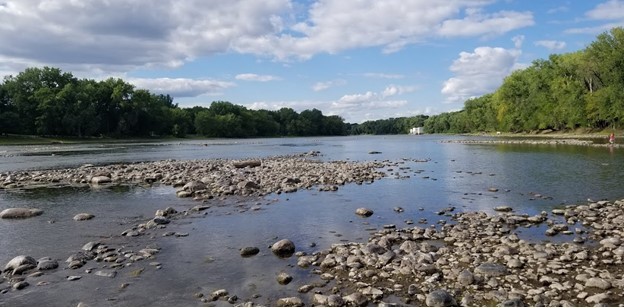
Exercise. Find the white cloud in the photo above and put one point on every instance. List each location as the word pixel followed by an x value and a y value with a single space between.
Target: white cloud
pixel 384 76
pixel 479 72
pixel 255 77
pixel 181 87
pixel 333 26
pixel 551 45
pixel 477 24
pixel 392 90
pixel 120 35
pixel 613 9
pixel 324 85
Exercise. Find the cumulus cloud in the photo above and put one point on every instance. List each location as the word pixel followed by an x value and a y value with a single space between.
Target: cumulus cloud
pixel 551 45
pixel 324 85
pixel 121 35
pixel 479 72
pixel 390 24
pixel 372 100
pixel 126 34
pixel 255 77
pixel 181 87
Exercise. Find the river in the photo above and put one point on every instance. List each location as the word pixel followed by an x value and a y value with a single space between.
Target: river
pixel 529 178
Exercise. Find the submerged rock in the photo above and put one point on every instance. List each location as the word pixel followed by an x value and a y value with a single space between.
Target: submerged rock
pixel 249 251
pixel 83 216
pixel 364 212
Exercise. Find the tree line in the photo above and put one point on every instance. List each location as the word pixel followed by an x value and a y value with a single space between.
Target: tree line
pixel 49 102
pixel 583 89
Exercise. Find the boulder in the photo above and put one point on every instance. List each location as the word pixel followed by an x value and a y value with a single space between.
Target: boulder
pixel 440 298
pixel 83 216
pixel 14 213
pixel 503 208
pixel 356 299
pixel 46 263
pixel 19 261
pixel 283 248
pixel 364 212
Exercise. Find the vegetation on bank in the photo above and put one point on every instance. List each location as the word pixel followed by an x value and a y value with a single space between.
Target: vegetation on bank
pixel 579 90
pixel 48 102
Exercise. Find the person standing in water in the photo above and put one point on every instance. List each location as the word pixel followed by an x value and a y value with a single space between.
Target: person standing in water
pixel 612 138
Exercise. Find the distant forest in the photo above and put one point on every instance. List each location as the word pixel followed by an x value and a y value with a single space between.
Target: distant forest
pixel 49 102
pixel 584 89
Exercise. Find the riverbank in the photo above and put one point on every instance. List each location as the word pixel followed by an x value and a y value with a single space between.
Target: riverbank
pixel 548 141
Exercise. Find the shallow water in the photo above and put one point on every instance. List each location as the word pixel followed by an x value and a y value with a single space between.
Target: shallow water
pixel 445 174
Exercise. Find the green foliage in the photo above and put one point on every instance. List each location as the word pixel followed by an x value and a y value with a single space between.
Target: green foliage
pixel 568 91
pixel 49 102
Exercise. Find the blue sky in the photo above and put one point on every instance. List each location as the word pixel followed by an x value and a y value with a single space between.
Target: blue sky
pixel 360 59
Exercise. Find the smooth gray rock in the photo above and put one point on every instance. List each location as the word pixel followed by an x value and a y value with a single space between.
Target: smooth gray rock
pixel 83 216
pixel 283 248
pixel 335 300
pixel 45 264
pixel 284 278
pixel 161 220
pixel 440 298
pixel 194 186
pixel 596 282
pixel 356 299
pixel 17 213
pixel 90 246
pixel 465 278
pixel 105 273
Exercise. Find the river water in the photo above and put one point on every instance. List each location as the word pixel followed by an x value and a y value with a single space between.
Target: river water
pixel 529 178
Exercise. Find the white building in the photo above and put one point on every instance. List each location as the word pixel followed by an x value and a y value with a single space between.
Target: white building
pixel 416 131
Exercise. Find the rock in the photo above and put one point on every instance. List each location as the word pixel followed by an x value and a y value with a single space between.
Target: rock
pixel 104 273
pixel 492 189
pixel 83 216
pixel 551 232
pixel 22 268
pixel 193 186
pixel 412 290
pixel 305 288
pixel 356 299
pixel 283 248
pixel 440 298
pixel 249 251
pixel 20 285
pixel 465 278
pixel 100 179
pixel 16 213
pixel 161 220
pixel 46 263
pixel 335 300
pixel 73 278
pixel 374 152
pixel 183 194
pixel 19 261
pixel 364 212
pixel 596 282
pixel 320 299
pixel 491 270
pixel 514 302
pixel 515 263
pixel 166 212
pixel 503 208
pixel 289 302
pixel 90 246
pixel 284 278
pixel 598 298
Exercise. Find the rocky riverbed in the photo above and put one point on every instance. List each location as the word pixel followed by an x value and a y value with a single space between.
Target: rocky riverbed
pixel 204 179
pixel 464 258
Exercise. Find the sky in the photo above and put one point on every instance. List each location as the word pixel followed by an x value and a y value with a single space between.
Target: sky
pixel 359 59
